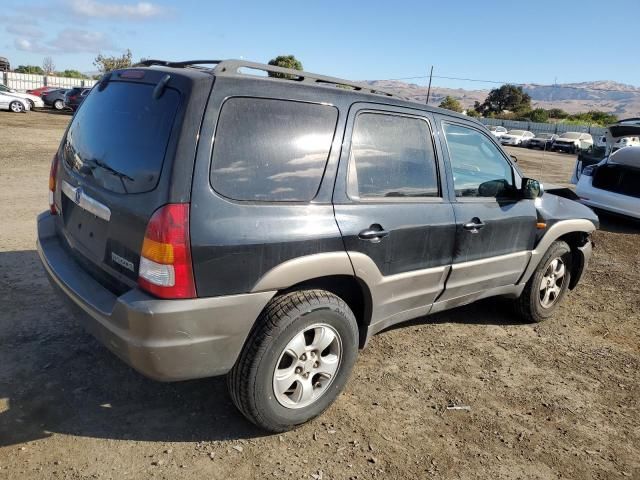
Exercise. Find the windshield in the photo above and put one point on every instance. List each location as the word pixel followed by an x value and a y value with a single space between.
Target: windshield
pixel 571 135
pixel 119 136
pixel 544 135
pixel 516 132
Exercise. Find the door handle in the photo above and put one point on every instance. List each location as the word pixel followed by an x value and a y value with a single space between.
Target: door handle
pixel 474 225
pixel 374 233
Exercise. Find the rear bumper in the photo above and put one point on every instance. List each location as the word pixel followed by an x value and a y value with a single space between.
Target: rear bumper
pixel 165 340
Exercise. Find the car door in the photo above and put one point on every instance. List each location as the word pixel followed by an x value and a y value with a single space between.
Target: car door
pixel 4 101
pixel 495 228
pixel 391 205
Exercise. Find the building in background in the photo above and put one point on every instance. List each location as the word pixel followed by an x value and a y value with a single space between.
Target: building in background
pixel 4 65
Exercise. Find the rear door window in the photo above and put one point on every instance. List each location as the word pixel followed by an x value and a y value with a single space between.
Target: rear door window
pixel 392 156
pixel 271 150
pixel 118 138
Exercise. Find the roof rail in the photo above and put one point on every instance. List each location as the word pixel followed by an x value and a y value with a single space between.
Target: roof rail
pixel 232 67
pixel 185 63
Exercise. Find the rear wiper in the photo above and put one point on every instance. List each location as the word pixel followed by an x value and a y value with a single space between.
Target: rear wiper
pixel 113 171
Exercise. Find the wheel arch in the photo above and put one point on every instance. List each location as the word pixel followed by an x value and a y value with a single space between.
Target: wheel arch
pixel 332 272
pixel 576 233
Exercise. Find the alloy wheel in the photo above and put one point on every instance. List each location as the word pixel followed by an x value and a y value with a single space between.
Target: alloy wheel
pixel 552 283
pixel 307 366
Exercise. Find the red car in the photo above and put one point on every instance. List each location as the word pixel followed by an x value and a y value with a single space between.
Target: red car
pixel 41 91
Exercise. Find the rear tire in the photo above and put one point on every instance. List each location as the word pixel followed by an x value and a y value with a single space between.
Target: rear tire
pixel 288 345
pixel 547 286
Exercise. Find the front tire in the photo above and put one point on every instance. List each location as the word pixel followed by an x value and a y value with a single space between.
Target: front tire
pixel 547 286
pixel 296 361
pixel 16 107
pixel 58 104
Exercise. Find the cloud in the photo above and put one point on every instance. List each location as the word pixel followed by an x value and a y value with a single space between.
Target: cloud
pixel 18 20
pixel 28 31
pixel 95 9
pixel 68 40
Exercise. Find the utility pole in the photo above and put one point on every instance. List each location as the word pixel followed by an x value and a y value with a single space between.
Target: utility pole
pixel 429 89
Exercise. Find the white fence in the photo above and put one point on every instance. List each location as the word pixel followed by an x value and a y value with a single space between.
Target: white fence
pixel 26 81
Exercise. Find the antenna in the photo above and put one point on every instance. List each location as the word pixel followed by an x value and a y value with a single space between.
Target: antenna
pixel 429 89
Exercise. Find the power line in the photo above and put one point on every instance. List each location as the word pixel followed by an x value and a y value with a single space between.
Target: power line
pixel 555 85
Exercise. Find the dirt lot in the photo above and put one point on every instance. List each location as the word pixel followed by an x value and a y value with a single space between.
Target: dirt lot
pixel 555 400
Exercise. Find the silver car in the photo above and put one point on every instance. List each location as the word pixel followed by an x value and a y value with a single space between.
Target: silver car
pixel 13 103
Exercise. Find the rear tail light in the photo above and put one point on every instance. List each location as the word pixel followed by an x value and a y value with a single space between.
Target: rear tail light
pixel 52 184
pixel 165 262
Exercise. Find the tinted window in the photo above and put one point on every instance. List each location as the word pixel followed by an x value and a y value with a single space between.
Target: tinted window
pixel 479 168
pixel 392 156
pixel 271 150
pixel 119 137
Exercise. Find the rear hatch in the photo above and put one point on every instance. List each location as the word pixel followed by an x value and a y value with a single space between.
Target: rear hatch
pixel 118 163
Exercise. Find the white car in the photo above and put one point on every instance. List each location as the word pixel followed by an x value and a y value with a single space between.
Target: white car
pixel 573 142
pixel 517 138
pixel 496 130
pixel 613 184
pixel 33 100
pixel 626 142
pixel 12 103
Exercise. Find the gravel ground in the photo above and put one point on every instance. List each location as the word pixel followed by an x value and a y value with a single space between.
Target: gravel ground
pixel 554 400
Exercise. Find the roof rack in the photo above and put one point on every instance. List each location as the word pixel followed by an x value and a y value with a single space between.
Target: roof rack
pixel 185 63
pixel 233 67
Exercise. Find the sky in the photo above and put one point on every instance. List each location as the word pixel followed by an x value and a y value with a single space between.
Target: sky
pixel 522 42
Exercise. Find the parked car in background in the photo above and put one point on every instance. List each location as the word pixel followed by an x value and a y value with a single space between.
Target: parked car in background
pixel 543 141
pixel 626 142
pixel 74 97
pixel 519 138
pixel 266 256
pixel 572 142
pixel 39 92
pixel 12 103
pixel 614 183
pixel 496 130
pixel 55 98
pixel 33 100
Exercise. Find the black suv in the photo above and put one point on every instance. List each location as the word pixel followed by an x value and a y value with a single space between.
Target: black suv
pixel 208 221
pixel 74 97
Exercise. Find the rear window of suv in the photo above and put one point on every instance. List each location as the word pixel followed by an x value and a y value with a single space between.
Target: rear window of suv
pixel 271 150
pixel 119 136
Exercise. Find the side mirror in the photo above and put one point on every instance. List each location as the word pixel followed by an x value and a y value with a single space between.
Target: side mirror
pixel 531 189
pixel 514 158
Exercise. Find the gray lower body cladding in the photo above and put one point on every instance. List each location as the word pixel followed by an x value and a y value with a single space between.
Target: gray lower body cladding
pixel 165 340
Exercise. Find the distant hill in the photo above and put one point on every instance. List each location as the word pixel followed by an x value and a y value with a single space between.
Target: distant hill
pixel 623 100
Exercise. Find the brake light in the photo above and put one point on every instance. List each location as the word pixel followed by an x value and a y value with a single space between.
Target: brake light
pixel 53 173
pixel 165 261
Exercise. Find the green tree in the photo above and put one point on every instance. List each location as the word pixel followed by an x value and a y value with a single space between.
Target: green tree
pixel 451 103
pixel 34 69
pixel 285 61
pixel 107 64
pixel 71 74
pixel 507 97
pixel 472 112
pixel 538 115
pixel 557 113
